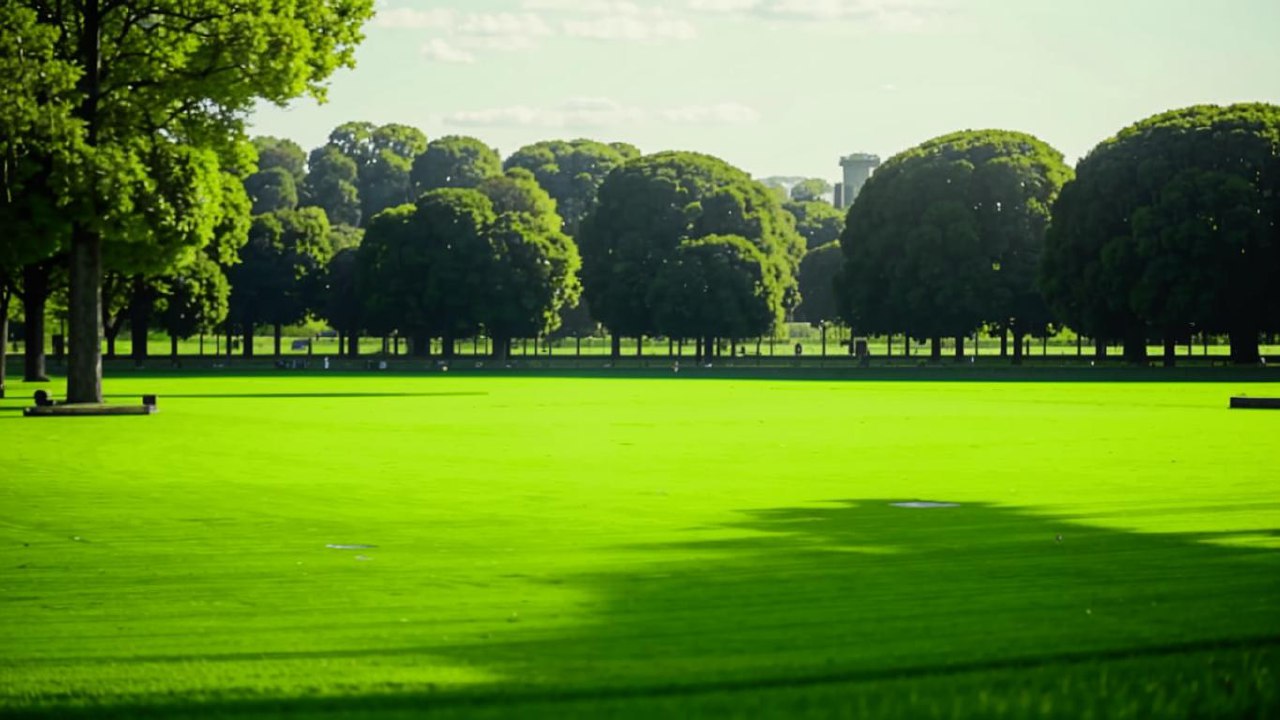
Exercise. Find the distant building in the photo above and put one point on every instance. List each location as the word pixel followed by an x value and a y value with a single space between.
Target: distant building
pixel 857 170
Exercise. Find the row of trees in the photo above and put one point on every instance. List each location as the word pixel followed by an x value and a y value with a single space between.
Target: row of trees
pixel 1167 230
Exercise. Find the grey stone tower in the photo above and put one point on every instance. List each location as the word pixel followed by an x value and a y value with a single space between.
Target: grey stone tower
pixel 857 169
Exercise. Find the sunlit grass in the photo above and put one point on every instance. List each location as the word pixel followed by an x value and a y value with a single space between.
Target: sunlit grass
pixel 642 546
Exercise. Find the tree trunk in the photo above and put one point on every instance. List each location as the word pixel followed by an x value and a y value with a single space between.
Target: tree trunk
pixel 639 345
pixel 353 344
pixel 1135 348
pixel 420 345
pixel 4 334
pixel 1017 346
pixel 277 330
pixel 823 327
pixel 1004 342
pixel 248 340
pixel 139 315
pixel 342 344
pixel 889 350
pixel 1099 348
pixel 35 293
pixel 906 345
pixel 173 347
pixel 959 348
pixel 1244 347
pixel 446 347
pixel 935 349
pixel 501 350
pixel 615 345
pixel 1170 351
pixel 84 361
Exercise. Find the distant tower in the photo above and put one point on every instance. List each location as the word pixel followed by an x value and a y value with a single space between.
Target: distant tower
pixel 857 169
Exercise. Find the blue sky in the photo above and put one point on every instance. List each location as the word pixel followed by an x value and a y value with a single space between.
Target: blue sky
pixel 784 87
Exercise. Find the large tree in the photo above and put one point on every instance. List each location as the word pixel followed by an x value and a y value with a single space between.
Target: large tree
pixel 651 205
pixel 947 236
pixel 38 142
pixel 717 286
pixel 1171 227
pixel 454 161
pixel 818 272
pixel 383 158
pixel 280 271
pixel 423 269
pixel 164 86
pixel 535 264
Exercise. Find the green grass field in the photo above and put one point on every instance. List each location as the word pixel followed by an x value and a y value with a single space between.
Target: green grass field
pixel 675 547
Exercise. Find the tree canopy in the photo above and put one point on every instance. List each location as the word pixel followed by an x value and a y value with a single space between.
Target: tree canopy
pixel 820 223
pixel 948 235
pixel 811 190
pixel 161 92
pixel 1170 227
pixel 650 206
pixel 572 172
pixel 454 161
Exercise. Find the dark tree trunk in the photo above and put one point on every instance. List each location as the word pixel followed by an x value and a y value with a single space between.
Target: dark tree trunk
pixel 1244 347
pixel 230 336
pixel 4 334
pixel 501 350
pixel 173 347
pixel 1100 348
pixel 140 302
pixel 639 345
pixel 959 348
pixel 888 352
pixel 1079 346
pixel 615 346
pixel 35 293
pixel 420 345
pixel 1004 342
pixel 342 344
pixel 823 327
pixel 1017 346
pixel 577 350
pixel 935 349
pixel 446 347
pixel 84 361
pixel 353 344
pixel 1135 348
pixel 247 340
pixel 277 330
pixel 697 350
pixel 906 345
pixel 1170 351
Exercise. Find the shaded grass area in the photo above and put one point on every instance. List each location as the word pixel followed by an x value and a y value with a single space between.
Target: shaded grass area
pixel 575 548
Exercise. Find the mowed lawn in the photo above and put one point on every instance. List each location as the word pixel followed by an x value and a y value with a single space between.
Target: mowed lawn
pixel 372 546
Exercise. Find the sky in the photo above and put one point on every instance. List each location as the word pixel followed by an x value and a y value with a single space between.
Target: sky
pixel 786 87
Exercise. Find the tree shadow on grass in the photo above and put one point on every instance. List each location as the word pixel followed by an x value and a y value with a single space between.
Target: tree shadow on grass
pixel 865 597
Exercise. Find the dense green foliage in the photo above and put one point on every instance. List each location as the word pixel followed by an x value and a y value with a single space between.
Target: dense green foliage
pixel 454 161
pixel 642 548
pixel 1173 227
pixel 280 270
pixel 948 236
pixel 715 286
pixel 811 190
pixel 572 172
pixel 136 148
pixel 818 273
pixel 820 223
pixel 653 204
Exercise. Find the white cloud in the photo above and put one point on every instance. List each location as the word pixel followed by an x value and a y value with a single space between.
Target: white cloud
pixel 883 14
pixel 411 19
pixel 626 27
pixel 460 37
pixel 595 113
pixel 441 50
